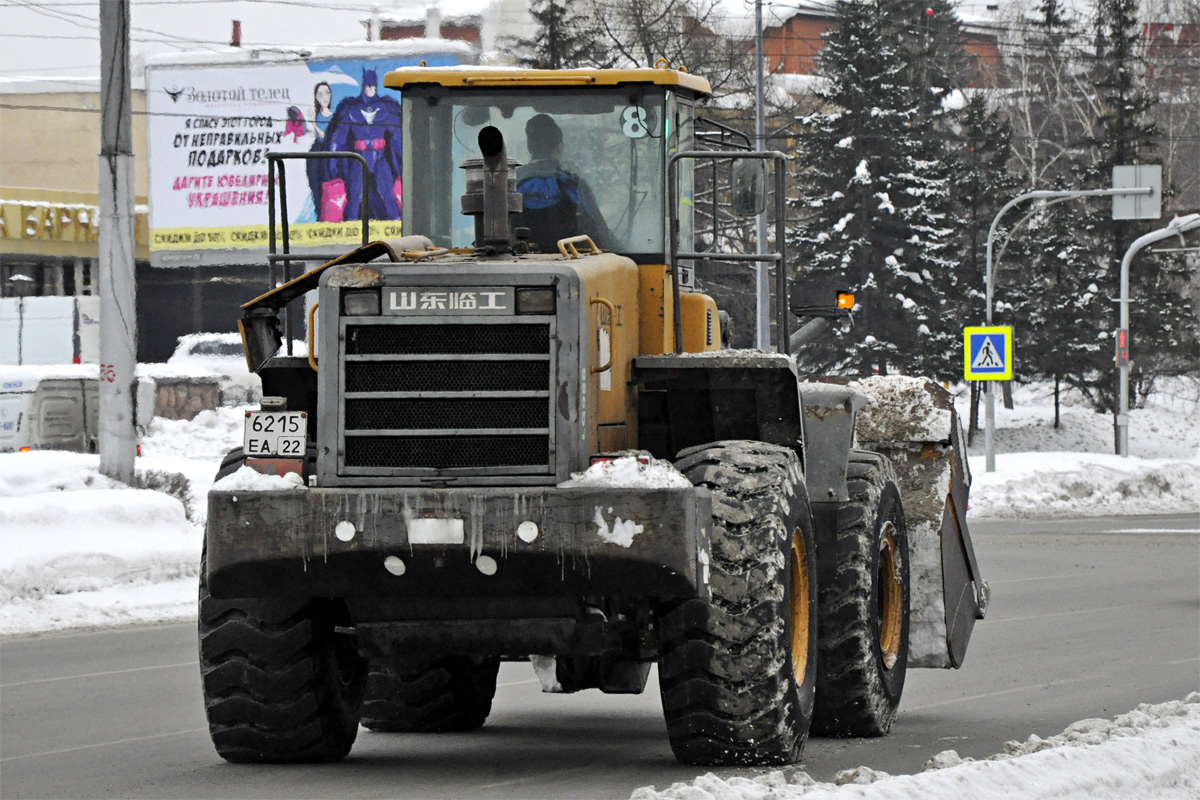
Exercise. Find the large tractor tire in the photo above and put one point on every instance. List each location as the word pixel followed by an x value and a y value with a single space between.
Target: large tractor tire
pixel 428 695
pixel 864 607
pixel 738 673
pixel 231 463
pixel 281 684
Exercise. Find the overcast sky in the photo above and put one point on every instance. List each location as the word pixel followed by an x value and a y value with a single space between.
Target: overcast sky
pixel 61 38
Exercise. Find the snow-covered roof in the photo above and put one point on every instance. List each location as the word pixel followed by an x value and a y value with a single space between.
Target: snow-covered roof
pixel 26 378
pixel 41 85
pixel 976 15
pixel 390 48
pixel 454 12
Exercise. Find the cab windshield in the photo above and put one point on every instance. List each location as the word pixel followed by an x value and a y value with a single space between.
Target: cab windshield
pixel 597 151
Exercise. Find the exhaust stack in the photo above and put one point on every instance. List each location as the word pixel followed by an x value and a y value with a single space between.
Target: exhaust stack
pixel 492 196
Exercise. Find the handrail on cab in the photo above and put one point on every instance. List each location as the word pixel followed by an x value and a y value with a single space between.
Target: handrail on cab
pixel 567 246
pixel 612 316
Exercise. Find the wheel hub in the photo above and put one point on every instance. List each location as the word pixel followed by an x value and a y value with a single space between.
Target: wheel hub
pixel 891 595
pixel 798 579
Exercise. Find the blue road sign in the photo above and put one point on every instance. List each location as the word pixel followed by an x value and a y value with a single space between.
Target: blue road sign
pixel 987 353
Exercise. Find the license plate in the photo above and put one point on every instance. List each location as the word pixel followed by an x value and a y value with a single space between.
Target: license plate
pixel 275 433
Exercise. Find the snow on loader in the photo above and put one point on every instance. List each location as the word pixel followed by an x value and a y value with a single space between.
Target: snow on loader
pixel 516 437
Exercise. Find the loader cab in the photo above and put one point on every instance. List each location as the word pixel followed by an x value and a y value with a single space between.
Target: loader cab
pixel 618 128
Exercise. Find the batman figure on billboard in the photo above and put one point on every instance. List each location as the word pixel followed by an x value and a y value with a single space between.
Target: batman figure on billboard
pixel 369 125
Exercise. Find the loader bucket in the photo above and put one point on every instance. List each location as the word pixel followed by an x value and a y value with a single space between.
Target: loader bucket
pixel 912 421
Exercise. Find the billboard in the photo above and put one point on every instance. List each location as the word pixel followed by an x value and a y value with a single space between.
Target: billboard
pixel 210 127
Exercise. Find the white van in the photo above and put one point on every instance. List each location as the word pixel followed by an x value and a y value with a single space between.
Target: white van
pixel 49 408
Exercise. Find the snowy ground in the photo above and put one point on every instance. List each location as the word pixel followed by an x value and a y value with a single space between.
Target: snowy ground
pixel 77 551
pixel 1071 471
pixel 1151 753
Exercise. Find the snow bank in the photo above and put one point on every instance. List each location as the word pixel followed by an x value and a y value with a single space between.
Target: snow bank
pixel 1043 471
pixel 209 436
pixel 1083 484
pixel 79 549
pixel 1150 753
pixel 41 471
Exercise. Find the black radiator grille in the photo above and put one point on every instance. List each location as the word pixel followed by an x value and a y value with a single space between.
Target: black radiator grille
pixel 507 429
pixel 450 413
pixel 447 339
pixel 447 452
pixel 447 376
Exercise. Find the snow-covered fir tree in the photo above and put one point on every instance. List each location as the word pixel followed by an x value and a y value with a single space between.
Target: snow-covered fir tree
pixel 983 183
pixel 929 33
pixel 563 38
pixel 875 199
pixel 1047 274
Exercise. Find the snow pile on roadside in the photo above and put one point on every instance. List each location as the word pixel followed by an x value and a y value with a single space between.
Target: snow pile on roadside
pixel 180 457
pixel 209 436
pixel 1083 484
pixel 1043 471
pixel 41 471
pixel 1151 753
pixel 77 549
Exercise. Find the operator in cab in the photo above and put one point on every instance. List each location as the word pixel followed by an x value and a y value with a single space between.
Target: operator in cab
pixel 558 204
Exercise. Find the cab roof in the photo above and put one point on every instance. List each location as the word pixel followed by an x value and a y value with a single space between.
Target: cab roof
pixel 542 78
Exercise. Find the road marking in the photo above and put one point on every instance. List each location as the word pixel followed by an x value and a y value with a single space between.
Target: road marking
pixel 104 744
pixel 517 683
pixel 1042 578
pixel 96 674
pixel 1033 686
pixel 1071 613
pixel 1151 530
pixel 554 773
pixel 1002 692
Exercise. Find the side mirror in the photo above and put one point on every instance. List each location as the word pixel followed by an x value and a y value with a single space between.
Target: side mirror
pixel 749 182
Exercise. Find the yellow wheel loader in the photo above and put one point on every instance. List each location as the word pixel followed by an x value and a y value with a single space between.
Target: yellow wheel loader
pixel 516 437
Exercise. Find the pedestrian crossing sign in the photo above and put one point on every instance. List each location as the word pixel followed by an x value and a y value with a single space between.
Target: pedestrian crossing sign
pixel 988 353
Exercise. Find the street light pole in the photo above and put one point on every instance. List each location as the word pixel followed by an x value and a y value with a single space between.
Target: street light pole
pixel 989 432
pixel 1178 227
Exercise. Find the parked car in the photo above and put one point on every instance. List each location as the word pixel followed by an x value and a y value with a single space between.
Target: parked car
pixel 219 354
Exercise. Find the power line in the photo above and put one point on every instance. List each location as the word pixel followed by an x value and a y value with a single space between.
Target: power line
pixel 93 24
pixel 365 8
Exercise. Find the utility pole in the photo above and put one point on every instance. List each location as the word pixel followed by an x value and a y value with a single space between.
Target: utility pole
pixel 762 283
pixel 118 298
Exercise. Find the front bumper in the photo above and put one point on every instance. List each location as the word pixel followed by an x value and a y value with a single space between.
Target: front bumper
pixel 376 543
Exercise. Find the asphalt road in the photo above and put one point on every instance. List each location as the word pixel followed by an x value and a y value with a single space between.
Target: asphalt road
pixel 1088 619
